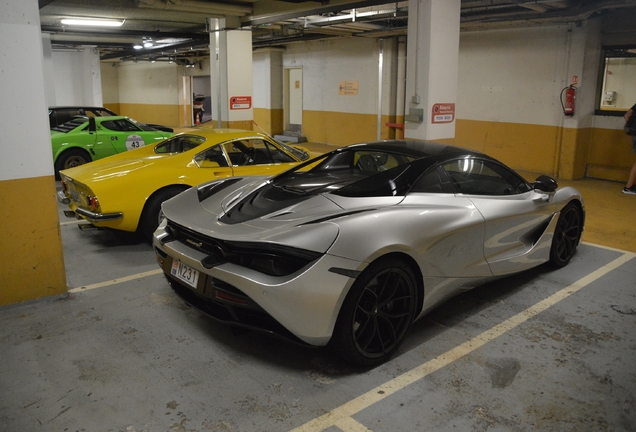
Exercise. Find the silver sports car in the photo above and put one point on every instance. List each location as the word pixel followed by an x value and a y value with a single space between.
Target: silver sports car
pixel 348 249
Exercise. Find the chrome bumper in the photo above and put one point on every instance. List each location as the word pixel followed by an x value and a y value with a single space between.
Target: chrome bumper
pixel 87 214
pixel 63 199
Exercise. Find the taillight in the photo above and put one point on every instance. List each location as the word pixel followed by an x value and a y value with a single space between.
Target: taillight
pixel 64 186
pixel 92 201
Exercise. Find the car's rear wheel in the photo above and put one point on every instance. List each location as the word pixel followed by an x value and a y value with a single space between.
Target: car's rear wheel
pixel 566 235
pixel 377 313
pixel 71 158
pixel 152 216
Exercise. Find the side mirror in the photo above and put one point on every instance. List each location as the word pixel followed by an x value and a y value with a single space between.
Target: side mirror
pixel 545 183
pixel 91 124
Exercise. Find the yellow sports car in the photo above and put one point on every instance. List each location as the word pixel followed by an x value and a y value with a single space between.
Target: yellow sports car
pixel 125 191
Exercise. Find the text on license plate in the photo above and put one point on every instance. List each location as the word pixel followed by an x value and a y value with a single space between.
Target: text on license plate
pixel 185 273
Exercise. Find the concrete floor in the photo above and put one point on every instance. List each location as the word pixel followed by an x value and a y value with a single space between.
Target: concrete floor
pixel 544 350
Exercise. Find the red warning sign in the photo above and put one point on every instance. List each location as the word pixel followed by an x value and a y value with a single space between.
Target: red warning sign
pixel 240 102
pixel 443 113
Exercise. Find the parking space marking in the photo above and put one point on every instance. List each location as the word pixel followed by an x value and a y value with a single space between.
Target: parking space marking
pixel 116 281
pixel 351 425
pixel 338 416
pixel 75 222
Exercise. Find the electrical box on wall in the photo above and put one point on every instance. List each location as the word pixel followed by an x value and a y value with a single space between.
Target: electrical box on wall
pixel 609 97
pixel 415 115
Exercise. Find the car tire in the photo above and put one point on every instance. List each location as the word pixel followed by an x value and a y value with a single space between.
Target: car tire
pixel 377 313
pixel 567 235
pixel 151 215
pixel 71 158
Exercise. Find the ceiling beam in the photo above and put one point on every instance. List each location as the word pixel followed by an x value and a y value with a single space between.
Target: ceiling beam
pixel 276 17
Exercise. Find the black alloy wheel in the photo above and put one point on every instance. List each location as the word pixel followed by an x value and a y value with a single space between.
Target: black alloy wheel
pixel 566 235
pixel 377 313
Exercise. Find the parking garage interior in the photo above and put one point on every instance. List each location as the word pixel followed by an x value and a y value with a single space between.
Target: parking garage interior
pixel 93 338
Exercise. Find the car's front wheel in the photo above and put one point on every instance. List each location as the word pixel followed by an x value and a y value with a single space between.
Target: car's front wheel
pixel 566 235
pixel 377 313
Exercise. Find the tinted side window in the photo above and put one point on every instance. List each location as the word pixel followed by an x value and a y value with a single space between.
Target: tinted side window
pixel 179 144
pixel 247 152
pixel 478 177
pixel 212 157
pixel 434 180
pixel 377 161
pixel 120 126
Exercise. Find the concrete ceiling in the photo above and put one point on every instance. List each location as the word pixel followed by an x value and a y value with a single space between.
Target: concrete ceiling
pixel 179 29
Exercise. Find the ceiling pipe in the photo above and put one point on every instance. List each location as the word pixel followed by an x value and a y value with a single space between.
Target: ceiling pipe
pixel 201 7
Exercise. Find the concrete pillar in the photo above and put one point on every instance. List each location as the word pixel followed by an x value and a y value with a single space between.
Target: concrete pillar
pixel 31 259
pixel 431 77
pixel 231 74
pixel 573 141
pixel 268 90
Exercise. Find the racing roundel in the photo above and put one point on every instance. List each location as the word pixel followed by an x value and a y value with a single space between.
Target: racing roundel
pixel 134 142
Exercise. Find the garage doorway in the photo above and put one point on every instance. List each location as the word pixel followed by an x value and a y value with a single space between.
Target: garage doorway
pixel 294 100
pixel 201 93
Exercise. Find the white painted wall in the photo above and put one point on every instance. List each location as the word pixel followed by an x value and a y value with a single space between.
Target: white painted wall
pixel 262 76
pixel 326 63
pixel 267 79
pixel 512 76
pixel 77 77
pixel 516 75
pixel 149 83
pixel 110 82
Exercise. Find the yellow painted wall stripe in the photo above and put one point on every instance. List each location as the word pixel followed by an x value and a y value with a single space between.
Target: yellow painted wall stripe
pixel 337 415
pixel 31 252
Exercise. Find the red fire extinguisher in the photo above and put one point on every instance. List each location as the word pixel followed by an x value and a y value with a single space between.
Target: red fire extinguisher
pixel 570 97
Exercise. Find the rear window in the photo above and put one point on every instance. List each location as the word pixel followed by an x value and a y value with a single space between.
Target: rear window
pixel 70 125
pixel 179 144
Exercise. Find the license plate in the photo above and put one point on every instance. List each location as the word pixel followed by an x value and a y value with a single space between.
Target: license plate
pixel 75 195
pixel 185 273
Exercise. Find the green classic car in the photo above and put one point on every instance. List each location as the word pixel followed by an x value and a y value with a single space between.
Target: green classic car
pixel 85 139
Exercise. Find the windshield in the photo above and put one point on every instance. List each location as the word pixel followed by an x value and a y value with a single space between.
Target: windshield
pixel 70 125
pixel 300 154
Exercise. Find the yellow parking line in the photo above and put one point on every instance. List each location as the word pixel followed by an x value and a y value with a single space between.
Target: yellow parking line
pixel 115 281
pixel 337 417
pixel 351 425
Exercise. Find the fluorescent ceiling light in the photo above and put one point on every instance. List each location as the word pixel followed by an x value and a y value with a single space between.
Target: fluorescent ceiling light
pixel 92 22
